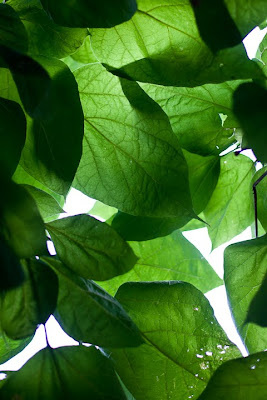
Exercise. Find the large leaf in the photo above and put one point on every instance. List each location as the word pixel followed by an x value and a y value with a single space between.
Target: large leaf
pixel 11 271
pixel 9 348
pixel 230 209
pixel 131 158
pixel 184 344
pixel 89 314
pixel 44 36
pixel 84 55
pixel 257 309
pixel 54 136
pixel 12 32
pixel 65 373
pixel 201 117
pixel 161 44
pixel 245 268
pixel 241 379
pixel 12 135
pixel 88 13
pixel 21 223
pixel 169 258
pixel 22 309
pixel 250 104
pixel 90 248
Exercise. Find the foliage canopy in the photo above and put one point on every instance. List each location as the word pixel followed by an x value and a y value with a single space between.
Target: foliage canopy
pixel 134 104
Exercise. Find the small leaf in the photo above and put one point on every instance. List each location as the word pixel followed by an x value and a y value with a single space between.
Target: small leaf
pixel 230 209
pixel 244 272
pixel 92 315
pixel 84 13
pixel 169 258
pixel 22 309
pixel 90 248
pixel 65 373
pixel 183 346
pixel 243 378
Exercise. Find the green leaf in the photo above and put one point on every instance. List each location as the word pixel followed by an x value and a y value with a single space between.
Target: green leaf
pixel 11 271
pixel 102 210
pixel 197 115
pixel 92 315
pixel 161 44
pixel 184 344
pixel 84 13
pixel 9 348
pixel 245 268
pixel 130 227
pixel 170 258
pixel 12 134
pixel 44 36
pixel 52 151
pixel 257 309
pixel 90 248
pixel 242 379
pixel 12 31
pixel 230 209
pixel 22 309
pixel 84 55
pixel 215 24
pixel 261 190
pixel 136 163
pixel 250 103
pixel 203 177
pixel 21 223
pixel 65 373
pixel 47 205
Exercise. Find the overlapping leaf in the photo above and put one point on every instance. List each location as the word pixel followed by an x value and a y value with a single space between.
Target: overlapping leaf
pixel 65 373
pixel 11 271
pixel 168 258
pixel 183 342
pixel 9 348
pixel 90 248
pixel 92 315
pixel 230 209
pixel 131 158
pixel 13 33
pixel 245 269
pixel 261 196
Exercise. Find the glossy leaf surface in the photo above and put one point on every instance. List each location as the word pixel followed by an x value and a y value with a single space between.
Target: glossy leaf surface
pixel 91 248
pixel 170 258
pixel 183 342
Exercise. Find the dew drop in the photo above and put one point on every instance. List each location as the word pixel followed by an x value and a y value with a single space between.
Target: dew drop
pixel 199 356
pixel 209 353
pixel 196 309
pixel 253 367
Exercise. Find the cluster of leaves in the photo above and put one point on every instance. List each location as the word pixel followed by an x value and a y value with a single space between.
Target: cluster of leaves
pixel 132 104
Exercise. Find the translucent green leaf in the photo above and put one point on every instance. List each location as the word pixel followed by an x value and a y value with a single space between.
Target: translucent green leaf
pixel 102 210
pixel 170 258
pixel 44 36
pixel 184 344
pixel 12 32
pixel 161 44
pixel 84 55
pixel 47 205
pixel 241 379
pixel 65 373
pixel 131 158
pixel 21 223
pixel 9 348
pixel 89 314
pixel 197 115
pixel 245 268
pixel 90 248
pixel 257 309
pixel 88 13
pixel 230 209
pixel 250 103
pixel 22 309
pixel 12 135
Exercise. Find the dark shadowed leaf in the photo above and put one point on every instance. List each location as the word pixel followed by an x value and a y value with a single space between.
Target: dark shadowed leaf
pixel 215 24
pixel 184 344
pixel 245 269
pixel 11 271
pixel 261 189
pixel 230 209
pixel 21 223
pixel 22 309
pixel 161 44
pixel 12 32
pixel 92 315
pixel 65 373
pixel 169 258
pixel 250 104
pixel 131 158
pixel 257 312
pixel 88 13
pixel 12 135
pixel 240 379
pixel 90 248
pixel 44 36
pixel 201 117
